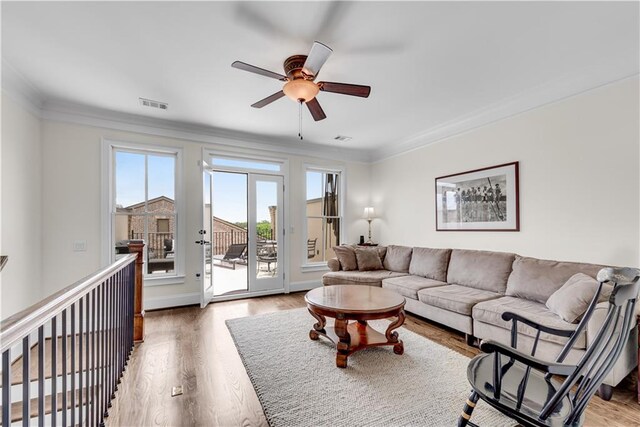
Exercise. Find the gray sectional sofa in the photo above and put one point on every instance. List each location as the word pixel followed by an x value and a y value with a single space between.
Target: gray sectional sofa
pixel 469 290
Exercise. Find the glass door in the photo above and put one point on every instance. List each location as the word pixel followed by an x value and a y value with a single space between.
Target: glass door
pixel 229 237
pixel 242 236
pixel 266 228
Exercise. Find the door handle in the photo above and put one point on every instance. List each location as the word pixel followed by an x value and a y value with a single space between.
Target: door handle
pixel 202 242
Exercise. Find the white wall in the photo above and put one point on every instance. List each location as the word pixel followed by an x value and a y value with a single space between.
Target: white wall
pixel 72 194
pixel 579 192
pixel 579 181
pixel 21 208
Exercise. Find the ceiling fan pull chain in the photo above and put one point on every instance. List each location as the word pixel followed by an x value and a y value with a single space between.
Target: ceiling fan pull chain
pixel 300 119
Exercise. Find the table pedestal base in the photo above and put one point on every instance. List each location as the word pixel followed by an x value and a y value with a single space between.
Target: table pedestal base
pixel 351 336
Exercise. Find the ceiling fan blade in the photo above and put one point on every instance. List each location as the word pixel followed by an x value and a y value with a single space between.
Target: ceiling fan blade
pixel 346 89
pixel 253 69
pixel 316 110
pixel 252 15
pixel 317 57
pixel 268 100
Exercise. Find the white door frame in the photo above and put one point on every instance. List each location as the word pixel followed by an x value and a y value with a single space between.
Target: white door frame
pixel 206 285
pixel 207 153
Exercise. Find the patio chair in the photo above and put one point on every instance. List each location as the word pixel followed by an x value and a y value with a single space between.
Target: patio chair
pixel 311 247
pixel 268 254
pixel 521 386
pixel 235 254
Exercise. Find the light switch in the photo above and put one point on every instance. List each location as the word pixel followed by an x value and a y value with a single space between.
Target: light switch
pixel 80 246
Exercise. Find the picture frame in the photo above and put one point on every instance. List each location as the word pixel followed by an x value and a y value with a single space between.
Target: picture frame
pixel 485 199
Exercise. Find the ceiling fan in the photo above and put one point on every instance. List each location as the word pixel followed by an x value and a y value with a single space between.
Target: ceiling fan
pixel 301 71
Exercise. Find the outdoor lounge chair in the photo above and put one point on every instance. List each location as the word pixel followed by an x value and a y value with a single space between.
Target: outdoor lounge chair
pixel 235 254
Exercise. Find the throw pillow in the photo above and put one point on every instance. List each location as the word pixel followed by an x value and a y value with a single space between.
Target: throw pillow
pixel 571 301
pixel 347 257
pixel 368 259
pixel 398 258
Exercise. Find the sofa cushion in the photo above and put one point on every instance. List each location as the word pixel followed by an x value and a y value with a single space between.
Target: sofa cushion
pixel 491 312
pixel 382 251
pixel 333 264
pixel 371 278
pixel 571 301
pixel 536 279
pixel 456 298
pixel 347 257
pixel 397 258
pixel 409 286
pixel 368 259
pixel 430 263
pixel 484 270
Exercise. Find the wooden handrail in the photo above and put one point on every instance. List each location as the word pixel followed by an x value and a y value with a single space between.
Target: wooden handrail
pixel 137 246
pixel 16 327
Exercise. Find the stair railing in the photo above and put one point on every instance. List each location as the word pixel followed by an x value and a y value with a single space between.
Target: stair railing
pixel 76 344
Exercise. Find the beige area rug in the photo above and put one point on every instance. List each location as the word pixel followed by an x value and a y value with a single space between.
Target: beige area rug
pixel 298 383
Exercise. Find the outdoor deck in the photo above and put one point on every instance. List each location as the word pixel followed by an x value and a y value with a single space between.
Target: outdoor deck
pixel 227 280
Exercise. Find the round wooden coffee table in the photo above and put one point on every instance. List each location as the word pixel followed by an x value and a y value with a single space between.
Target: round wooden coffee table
pixel 358 303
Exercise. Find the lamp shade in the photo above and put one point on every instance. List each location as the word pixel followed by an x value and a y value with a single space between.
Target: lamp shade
pixel 369 213
pixel 301 89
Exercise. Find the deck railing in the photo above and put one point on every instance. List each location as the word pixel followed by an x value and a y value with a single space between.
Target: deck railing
pixel 223 239
pixel 63 357
pixel 158 243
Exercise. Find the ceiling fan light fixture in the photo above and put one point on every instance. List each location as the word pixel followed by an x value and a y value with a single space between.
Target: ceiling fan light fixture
pixel 301 89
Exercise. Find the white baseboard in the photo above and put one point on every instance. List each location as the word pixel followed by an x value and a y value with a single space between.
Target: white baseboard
pixel 305 285
pixel 168 301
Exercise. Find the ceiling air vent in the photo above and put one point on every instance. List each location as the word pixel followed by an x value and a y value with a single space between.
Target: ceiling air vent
pixel 153 104
pixel 342 138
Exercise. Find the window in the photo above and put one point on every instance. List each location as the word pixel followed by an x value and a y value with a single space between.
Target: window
pixel 163 225
pixel 323 214
pixel 144 206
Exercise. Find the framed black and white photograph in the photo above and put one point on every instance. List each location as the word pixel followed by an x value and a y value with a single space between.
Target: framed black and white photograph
pixel 479 200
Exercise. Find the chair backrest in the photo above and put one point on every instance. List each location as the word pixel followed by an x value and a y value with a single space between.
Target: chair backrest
pixel 599 358
pixel 311 247
pixel 235 251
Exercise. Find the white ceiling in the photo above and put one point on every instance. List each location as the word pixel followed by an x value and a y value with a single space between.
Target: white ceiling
pixel 429 64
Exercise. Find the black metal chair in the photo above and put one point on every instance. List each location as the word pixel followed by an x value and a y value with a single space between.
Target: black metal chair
pixel 521 386
pixel 267 252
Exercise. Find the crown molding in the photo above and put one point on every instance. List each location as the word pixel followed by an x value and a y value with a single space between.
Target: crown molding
pixel 533 98
pixel 18 88
pixel 21 90
pixel 98 117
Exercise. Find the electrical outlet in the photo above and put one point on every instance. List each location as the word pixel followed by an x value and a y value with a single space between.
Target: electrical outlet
pixel 80 246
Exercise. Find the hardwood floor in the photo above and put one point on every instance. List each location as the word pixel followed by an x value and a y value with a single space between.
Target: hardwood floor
pixel 192 347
